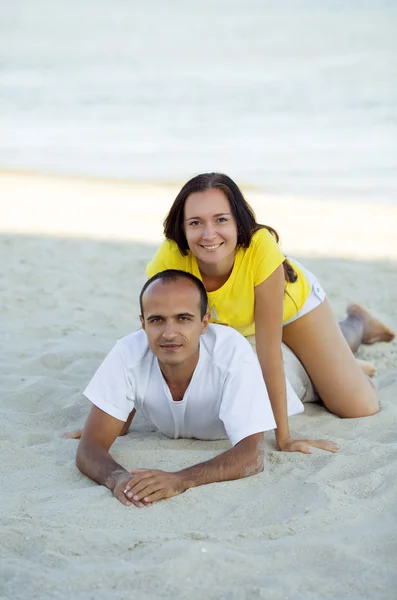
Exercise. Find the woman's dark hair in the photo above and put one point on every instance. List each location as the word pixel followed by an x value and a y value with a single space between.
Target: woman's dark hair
pixel 171 275
pixel 242 212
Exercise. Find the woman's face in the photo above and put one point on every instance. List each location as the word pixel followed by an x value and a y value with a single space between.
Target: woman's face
pixel 210 227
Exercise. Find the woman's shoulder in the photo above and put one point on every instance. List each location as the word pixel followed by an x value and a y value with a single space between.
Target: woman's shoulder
pixel 263 255
pixel 262 242
pixel 169 247
pixel 263 237
pixel 168 256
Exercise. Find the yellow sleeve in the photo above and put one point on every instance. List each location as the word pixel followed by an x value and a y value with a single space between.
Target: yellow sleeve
pixel 267 255
pixel 166 257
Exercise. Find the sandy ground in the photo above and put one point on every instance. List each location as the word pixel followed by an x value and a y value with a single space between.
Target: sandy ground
pixel 322 526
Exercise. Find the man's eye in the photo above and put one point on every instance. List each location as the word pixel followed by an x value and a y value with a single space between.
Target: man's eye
pixel 184 318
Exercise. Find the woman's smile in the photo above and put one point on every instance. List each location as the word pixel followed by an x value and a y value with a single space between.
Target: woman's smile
pixel 212 247
pixel 210 228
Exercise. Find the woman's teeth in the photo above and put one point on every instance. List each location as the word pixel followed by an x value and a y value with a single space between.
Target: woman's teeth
pixel 212 247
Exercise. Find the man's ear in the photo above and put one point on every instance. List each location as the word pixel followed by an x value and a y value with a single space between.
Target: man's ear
pixel 142 320
pixel 205 322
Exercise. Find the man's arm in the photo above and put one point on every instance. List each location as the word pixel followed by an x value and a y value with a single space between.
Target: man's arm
pixel 244 459
pixel 93 458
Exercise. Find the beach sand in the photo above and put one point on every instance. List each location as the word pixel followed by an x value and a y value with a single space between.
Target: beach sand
pixel 73 254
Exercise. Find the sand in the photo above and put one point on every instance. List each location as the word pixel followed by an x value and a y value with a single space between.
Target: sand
pixel 321 526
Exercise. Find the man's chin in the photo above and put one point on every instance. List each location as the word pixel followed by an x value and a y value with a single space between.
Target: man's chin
pixel 171 361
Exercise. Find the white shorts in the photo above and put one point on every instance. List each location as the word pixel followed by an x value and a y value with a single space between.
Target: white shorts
pixel 295 373
pixel 317 295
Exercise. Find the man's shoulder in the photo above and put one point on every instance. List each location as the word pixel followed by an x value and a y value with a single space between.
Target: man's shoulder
pixel 134 347
pixel 223 335
pixel 226 346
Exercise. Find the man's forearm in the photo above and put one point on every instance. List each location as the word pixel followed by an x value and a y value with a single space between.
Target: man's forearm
pixel 95 462
pixel 243 460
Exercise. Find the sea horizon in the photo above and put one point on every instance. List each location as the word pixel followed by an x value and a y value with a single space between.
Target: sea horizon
pixel 291 98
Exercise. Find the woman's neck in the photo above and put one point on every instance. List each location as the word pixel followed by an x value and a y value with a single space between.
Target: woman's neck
pixel 221 269
pixel 214 276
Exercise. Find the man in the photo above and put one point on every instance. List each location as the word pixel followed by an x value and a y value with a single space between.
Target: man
pixel 191 379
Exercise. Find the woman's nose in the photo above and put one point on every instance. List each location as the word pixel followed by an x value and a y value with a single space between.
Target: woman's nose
pixel 209 232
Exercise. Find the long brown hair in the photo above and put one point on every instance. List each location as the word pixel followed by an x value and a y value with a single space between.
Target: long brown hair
pixel 241 210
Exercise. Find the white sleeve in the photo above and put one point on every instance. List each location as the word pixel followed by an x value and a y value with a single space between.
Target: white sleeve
pixel 110 389
pixel 245 407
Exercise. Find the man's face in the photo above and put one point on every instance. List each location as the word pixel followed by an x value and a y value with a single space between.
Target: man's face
pixel 172 320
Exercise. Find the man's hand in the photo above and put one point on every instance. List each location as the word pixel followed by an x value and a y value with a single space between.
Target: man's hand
pixel 291 445
pixel 123 482
pixel 148 486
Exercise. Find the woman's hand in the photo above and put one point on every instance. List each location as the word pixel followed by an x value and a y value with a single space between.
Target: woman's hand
pixel 304 446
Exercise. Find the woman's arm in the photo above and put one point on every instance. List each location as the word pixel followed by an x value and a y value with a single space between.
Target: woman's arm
pixel 269 300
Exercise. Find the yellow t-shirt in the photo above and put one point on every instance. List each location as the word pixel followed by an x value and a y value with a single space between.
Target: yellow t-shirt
pixel 233 303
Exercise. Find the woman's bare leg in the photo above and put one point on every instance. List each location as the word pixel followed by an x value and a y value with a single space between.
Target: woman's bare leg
pixel 360 327
pixel 318 342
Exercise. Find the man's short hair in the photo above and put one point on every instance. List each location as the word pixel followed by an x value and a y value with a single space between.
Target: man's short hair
pixel 171 275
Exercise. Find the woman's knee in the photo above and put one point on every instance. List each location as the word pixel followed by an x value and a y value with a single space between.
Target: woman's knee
pixel 361 405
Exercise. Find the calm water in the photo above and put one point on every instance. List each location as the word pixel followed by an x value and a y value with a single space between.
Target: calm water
pixel 297 97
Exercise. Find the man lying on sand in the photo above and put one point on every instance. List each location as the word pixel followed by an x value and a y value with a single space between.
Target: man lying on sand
pixel 191 379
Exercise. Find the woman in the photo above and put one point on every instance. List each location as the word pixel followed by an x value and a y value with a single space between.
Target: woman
pixel 211 232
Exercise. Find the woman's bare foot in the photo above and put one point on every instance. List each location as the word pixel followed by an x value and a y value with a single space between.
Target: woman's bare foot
pixel 367 367
pixel 374 330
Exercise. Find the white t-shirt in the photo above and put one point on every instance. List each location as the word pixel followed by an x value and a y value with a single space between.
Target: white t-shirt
pixel 226 397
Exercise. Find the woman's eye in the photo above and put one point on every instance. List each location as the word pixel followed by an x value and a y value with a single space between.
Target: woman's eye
pixel 194 223
pixel 222 220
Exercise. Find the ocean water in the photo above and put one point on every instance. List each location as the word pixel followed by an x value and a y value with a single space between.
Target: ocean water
pixel 297 97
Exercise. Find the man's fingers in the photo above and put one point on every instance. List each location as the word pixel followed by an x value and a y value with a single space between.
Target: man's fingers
pixel 130 501
pixel 123 499
pixel 155 496
pixel 139 504
pixel 147 492
pixel 138 489
pixel 136 479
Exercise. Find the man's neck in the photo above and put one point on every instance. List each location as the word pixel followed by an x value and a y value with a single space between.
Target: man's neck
pixel 178 376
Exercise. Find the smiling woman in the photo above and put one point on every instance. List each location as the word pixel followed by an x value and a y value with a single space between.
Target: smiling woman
pixel 211 232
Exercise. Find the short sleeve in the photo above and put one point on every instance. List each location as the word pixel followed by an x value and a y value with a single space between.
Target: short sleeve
pixel 110 389
pixel 267 255
pixel 167 256
pixel 245 407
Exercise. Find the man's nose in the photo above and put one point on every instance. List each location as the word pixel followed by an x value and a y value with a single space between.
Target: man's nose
pixel 169 330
